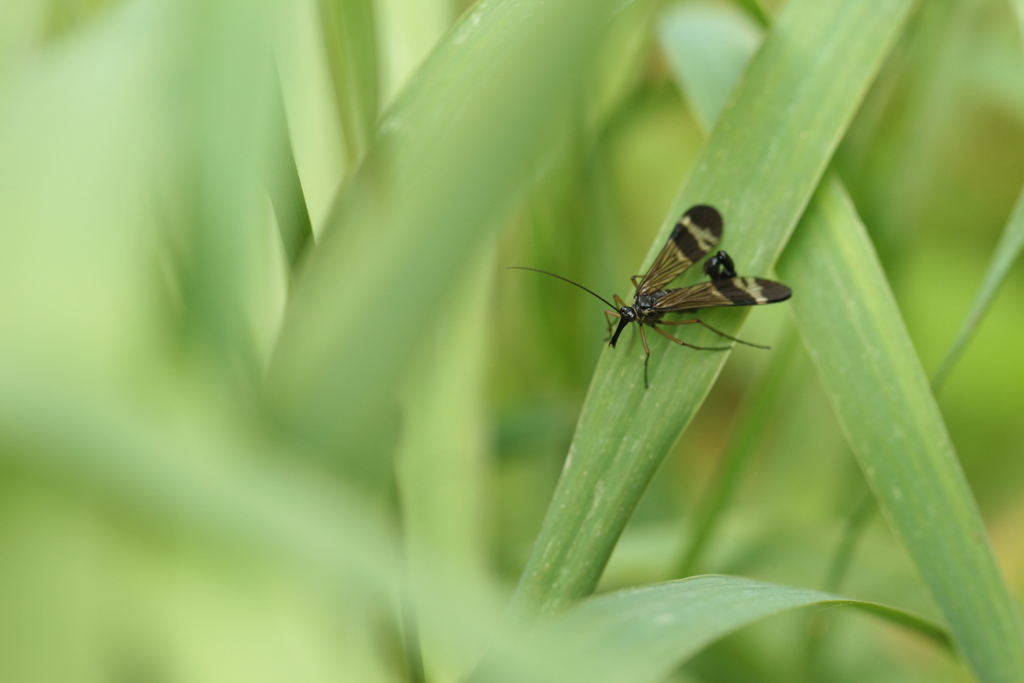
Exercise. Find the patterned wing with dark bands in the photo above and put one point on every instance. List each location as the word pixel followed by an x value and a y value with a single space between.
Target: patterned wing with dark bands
pixel 737 291
pixel 696 233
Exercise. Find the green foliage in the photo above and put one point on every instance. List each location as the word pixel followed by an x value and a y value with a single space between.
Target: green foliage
pixel 759 167
pixel 271 407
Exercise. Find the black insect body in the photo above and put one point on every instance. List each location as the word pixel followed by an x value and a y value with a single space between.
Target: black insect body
pixel 695 234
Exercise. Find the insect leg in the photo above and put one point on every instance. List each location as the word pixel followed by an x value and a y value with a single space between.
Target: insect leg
pixel 609 321
pixel 636 285
pixel 618 300
pixel 718 332
pixel 647 358
pixel 681 342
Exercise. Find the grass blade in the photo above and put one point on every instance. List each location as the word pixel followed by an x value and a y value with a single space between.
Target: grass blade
pixel 349 35
pixel 854 333
pixel 286 193
pixel 642 634
pixel 759 407
pixel 760 167
pixel 442 463
pixel 407 31
pixel 1007 251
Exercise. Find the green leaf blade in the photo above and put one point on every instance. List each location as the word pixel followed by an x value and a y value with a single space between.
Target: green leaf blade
pixel 854 333
pixel 643 634
pixel 1011 243
pixel 349 35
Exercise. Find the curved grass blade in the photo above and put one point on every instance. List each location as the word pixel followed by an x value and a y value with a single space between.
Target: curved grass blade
pixel 1007 252
pixel 293 222
pixel 643 634
pixel 349 35
pixel 855 335
pixel 760 167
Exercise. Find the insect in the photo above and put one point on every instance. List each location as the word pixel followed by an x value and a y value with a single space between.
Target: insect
pixel 695 234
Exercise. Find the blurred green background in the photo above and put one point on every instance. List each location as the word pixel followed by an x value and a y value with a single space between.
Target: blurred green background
pixel 164 518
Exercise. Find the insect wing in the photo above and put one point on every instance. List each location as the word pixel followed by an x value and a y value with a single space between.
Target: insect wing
pixel 696 233
pixel 737 291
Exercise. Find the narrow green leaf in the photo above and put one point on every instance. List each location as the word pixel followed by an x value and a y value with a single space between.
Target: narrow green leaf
pixel 407 31
pixel 757 10
pixel 854 333
pixel 286 194
pixel 1006 254
pixel 642 634
pixel 856 524
pixel 349 35
pixel 759 407
pixel 442 462
pixel 499 87
pixel 222 109
pixel 759 168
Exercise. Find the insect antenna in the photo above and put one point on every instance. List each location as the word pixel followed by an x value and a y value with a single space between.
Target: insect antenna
pixel 537 270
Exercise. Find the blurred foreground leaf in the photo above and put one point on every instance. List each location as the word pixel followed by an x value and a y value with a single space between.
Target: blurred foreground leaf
pixel 442 465
pixel 349 35
pixel 449 160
